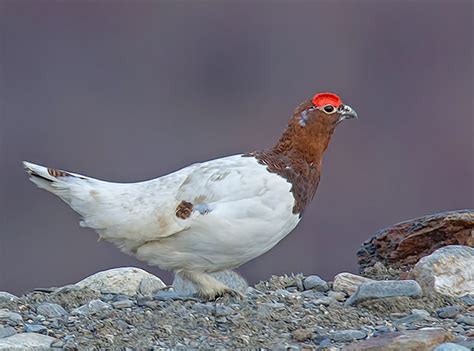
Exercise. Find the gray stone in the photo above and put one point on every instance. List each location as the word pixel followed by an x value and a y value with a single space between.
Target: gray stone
pixel 122 304
pixel 412 318
pixel 324 300
pixel 51 310
pixel 313 282
pixel 6 331
pixel 91 307
pixel 6 315
pixel 468 300
pixel 448 271
pixel 384 288
pixel 324 343
pixel 126 281
pixel 26 341
pixel 35 328
pixel 348 335
pixel 469 320
pixel 7 297
pixel 348 282
pixel 448 311
pixel 449 346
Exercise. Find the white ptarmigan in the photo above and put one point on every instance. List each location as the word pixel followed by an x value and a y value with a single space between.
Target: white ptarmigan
pixel 214 215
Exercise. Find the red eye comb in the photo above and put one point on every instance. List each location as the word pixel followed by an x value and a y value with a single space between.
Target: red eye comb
pixel 323 99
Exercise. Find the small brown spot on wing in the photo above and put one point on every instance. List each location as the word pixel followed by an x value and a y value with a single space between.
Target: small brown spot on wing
pixel 184 209
pixel 57 173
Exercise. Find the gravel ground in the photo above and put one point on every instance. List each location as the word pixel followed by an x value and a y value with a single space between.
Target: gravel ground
pixel 278 313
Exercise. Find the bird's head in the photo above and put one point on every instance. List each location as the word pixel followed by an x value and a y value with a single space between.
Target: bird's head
pixel 323 110
pixel 312 125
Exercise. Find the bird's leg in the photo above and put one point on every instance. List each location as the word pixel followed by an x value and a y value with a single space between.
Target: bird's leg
pixel 208 287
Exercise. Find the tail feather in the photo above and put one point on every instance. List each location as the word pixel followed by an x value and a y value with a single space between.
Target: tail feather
pixel 93 199
pixel 56 181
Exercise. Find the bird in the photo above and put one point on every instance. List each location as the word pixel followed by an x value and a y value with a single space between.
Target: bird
pixel 210 216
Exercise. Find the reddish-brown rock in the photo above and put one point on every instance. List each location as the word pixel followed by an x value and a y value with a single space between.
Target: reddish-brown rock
pixel 403 244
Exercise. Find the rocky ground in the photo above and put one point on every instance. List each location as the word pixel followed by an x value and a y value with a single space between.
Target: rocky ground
pixel 425 306
pixel 283 312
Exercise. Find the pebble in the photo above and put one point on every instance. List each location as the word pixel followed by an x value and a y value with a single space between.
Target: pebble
pixel 412 318
pixel 6 331
pixel 325 301
pixel 313 282
pixel 348 335
pixel 384 288
pixel 348 282
pixel 325 343
pixel 468 299
pixel 51 310
pixel 35 328
pixel 469 320
pixel 91 307
pixel 10 316
pixel 448 311
pixel 123 303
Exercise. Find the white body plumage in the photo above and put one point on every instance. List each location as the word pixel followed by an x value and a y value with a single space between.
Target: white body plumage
pixel 240 211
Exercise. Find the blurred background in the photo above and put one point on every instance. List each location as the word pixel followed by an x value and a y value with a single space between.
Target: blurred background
pixel 127 91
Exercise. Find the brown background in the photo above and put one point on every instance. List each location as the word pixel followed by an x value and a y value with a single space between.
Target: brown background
pixel 127 91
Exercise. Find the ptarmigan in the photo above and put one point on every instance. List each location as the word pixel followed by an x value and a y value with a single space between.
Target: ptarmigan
pixel 214 215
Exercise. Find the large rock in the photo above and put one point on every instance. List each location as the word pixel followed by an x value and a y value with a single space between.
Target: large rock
pixel 24 341
pixel 348 282
pixel 448 271
pixel 384 288
pixel 403 244
pixel 126 281
pixel 6 315
pixel 51 310
pixel 7 297
pixel 419 340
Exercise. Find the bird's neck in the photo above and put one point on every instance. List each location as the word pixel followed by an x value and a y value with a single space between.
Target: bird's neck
pixel 297 157
pixel 303 144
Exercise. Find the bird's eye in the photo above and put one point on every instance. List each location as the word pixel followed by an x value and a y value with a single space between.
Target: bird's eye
pixel 329 108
